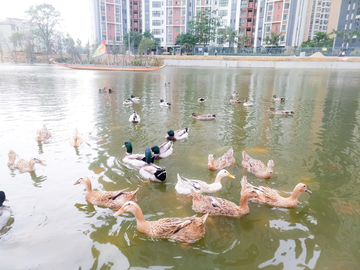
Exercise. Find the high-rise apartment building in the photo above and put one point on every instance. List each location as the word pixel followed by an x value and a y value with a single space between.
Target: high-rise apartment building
pixel 349 19
pixel 108 20
pixel 135 15
pixel 285 17
pixel 322 17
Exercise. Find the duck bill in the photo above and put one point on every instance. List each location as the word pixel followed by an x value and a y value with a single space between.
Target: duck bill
pixel 118 213
pixel 42 163
pixel 231 176
pixel 308 191
pixel 77 182
pixel 270 170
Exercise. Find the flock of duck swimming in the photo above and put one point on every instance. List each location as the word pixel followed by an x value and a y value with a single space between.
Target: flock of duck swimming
pixel 183 229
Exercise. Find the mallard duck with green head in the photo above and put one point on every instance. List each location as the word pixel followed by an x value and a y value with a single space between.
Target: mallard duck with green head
pixel 150 171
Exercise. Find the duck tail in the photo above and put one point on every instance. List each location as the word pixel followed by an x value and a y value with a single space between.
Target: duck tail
pixel 204 217
pixel 160 174
pixel 244 184
pixel 245 155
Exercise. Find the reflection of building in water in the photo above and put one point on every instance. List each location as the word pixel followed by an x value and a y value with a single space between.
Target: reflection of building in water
pixel 293 254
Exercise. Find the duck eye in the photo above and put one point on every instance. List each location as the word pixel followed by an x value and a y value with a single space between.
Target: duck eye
pixel 304 185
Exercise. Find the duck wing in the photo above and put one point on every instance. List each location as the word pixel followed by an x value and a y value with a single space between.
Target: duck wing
pixel 167 227
pixel 227 159
pixel 166 149
pixel 181 133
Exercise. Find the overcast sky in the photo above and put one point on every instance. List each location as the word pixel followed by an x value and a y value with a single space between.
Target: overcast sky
pixel 74 15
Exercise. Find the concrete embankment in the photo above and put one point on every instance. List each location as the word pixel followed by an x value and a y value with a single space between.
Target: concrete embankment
pixel 337 63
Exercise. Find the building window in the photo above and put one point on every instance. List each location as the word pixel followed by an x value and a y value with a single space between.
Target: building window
pixel 156 13
pixel 277 17
pixel 286 6
pixel 117 38
pixel 223 3
pixel 350 25
pixel 270 7
pixel 102 8
pixel 117 20
pixel 103 18
pixel 223 13
pixel 267 28
pixel 243 4
pixel 104 36
pixel 182 22
pixel 282 38
pixel 283 27
pixel 278 6
pixel 156 4
pixel 170 3
pixel 268 19
pixel 156 22
pixel 109 19
pixel 156 31
pixel 117 10
pixel 285 16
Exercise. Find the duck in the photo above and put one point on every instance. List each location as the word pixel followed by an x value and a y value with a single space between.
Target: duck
pixel 136 160
pixel 111 199
pixel 234 100
pixel 235 95
pixel 16 162
pixel 248 103
pixel 176 135
pixel 135 99
pixel 201 99
pixel 256 167
pixel 185 187
pixel 279 99
pixel 181 229
pixel 163 150
pixel 281 112
pixel 128 102
pixel 226 160
pixel 150 171
pixel 134 118
pixel 5 211
pixel 42 134
pixel 221 207
pixel 271 197
pixel 76 139
pixel 164 103
pixel 203 116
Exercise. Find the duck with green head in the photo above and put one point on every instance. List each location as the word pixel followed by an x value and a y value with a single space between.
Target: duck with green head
pixel 134 118
pixel 163 150
pixel 150 171
pixel 135 99
pixel 5 211
pixel 178 134
pixel 136 160
pixel 164 103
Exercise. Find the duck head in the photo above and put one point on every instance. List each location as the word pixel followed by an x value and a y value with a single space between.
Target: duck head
pixel 132 96
pixel 155 149
pixel 128 146
pixel 148 156
pixel 302 188
pixel 82 180
pixel 272 109
pixel 2 197
pixel 274 96
pixel 37 161
pixel 171 133
pixel 224 173
pixel 127 207
pixel 161 100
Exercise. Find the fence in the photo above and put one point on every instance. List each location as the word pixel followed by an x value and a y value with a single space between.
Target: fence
pixel 272 51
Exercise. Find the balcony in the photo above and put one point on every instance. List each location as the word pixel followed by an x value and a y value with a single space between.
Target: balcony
pixel 250 15
pixel 251 5
pixel 249 24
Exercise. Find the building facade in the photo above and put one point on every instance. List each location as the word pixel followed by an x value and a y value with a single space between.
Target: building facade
pixel 108 20
pixel 10 26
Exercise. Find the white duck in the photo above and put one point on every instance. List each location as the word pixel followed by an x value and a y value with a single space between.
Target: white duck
pixel 248 103
pixel 134 118
pixel 136 160
pixel 5 211
pixel 151 171
pixel 164 103
pixel 135 99
pixel 185 187
pixel 177 134
pixel 163 150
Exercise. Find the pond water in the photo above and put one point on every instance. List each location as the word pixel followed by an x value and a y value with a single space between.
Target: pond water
pixel 53 227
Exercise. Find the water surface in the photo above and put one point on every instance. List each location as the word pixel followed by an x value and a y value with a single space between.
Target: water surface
pixel 53 227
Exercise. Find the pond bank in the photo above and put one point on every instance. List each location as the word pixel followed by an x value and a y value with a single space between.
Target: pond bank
pixel 264 62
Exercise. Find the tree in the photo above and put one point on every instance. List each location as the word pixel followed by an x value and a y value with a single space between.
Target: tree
pixel 204 25
pixel 230 35
pixel 347 37
pixel 187 41
pixel 45 18
pixel 321 39
pixel 146 45
pixel 273 39
pixel 242 40
pixel 16 38
pixel 148 34
pixel 135 38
